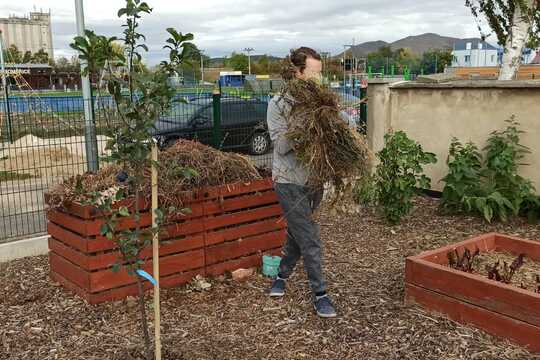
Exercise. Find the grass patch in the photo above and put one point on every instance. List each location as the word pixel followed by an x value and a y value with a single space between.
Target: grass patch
pixel 9 175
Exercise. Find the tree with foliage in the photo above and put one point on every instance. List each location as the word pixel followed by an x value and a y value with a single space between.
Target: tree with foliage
pixel 129 136
pixel 238 61
pixel 13 55
pixel 436 60
pixel 63 64
pixel 384 58
pixel 516 23
pixel 40 57
pixel 27 57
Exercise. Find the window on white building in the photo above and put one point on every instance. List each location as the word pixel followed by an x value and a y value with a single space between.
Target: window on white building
pixel 479 46
pixel 492 58
pixel 467 58
pixel 468 46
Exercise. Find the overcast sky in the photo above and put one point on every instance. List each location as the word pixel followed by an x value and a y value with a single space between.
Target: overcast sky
pixel 271 27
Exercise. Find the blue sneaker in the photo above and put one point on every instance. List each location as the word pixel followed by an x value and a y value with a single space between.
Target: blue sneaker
pixel 324 307
pixel 278 287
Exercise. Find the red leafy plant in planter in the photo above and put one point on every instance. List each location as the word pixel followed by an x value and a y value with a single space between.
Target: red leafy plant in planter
pixel 463 262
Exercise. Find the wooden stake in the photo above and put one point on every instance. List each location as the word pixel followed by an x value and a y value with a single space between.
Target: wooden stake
pixel 155 255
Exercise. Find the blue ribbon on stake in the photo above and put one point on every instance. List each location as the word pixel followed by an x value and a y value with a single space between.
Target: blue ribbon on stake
pixel 147 276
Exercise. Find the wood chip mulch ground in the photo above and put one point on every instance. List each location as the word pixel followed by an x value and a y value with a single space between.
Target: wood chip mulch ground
pixel 364 263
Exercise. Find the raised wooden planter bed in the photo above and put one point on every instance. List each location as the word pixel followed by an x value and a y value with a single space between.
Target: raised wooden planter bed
pixel 229 227
pixel 503 310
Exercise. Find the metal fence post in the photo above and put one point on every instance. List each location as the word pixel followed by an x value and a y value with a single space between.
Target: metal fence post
pixel 216 130
pixel 363 106
pixel 90 125
pixel 6 92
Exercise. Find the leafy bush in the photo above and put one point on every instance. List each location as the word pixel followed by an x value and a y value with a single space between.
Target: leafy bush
pixel 464 175
pixel 365 191
pixel 490 187
pixel 399 175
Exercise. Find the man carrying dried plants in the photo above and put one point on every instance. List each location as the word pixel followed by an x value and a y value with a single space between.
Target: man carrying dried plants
pixel 297 199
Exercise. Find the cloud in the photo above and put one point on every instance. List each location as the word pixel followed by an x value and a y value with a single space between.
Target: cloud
pixel 268 26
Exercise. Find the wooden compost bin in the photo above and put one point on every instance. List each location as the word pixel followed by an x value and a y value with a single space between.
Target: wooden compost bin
pixel 503 310
pixel 229 227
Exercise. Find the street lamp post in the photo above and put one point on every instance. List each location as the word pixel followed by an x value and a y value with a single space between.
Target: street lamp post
pixel 249 50
pixel 202 67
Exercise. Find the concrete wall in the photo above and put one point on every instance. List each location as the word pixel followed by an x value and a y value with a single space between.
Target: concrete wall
pixel 469 110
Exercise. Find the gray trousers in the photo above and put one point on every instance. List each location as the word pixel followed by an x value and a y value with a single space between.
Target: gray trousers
pixel 303 235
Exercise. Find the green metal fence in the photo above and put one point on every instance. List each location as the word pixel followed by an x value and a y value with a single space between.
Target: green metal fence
pixel 44 143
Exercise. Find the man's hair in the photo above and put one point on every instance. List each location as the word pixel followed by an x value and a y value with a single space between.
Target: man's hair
pixel 297 61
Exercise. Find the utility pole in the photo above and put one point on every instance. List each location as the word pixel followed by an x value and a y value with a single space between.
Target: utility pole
pixel 6 93
pixel 249 50
pixel 202 67
pixel 345 46
pixel 89 124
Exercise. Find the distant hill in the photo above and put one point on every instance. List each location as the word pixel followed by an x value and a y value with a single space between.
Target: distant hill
pixel 417 44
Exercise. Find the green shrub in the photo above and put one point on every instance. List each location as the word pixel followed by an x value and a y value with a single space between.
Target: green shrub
pixel 490 188
pixel 464 175
pixel 399 175
pixel 365 191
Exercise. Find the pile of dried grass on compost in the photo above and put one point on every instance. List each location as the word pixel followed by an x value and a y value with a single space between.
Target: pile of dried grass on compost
pixel 331 151
pixel 79 188
pixel 183 167
pixel 210 167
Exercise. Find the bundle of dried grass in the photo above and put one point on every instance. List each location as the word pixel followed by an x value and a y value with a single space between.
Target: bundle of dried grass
pixel 183 167
pixel 189 165
pixel 332 152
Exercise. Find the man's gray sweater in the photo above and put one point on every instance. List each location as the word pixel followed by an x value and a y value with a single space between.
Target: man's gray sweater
pixel 286 169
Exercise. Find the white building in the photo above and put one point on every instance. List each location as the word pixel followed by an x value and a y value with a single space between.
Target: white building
pixel 474 53
pixel 477 53
pixel 28 33
pixel 529 55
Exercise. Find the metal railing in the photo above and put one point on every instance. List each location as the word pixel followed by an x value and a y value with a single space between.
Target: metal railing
pixel 43 142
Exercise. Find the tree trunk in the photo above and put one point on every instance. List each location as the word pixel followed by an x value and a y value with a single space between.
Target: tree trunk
pixel 142 310
pixel 515 44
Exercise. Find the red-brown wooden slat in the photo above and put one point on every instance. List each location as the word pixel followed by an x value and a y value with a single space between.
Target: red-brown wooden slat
pixel 70 271
pixel 124 291
pixel 88 212
pixel 243 217
pixel 236 189
pixel 517 246
pixel 106 279
pixel 240 202
pixel 243 262
pixel 76 257
pixel 92 227
pixel 217 237
pixel 67 237
pixel 242 247
pixel 484 242
pixel 497 324
pixel 189 227
pixel 475 289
